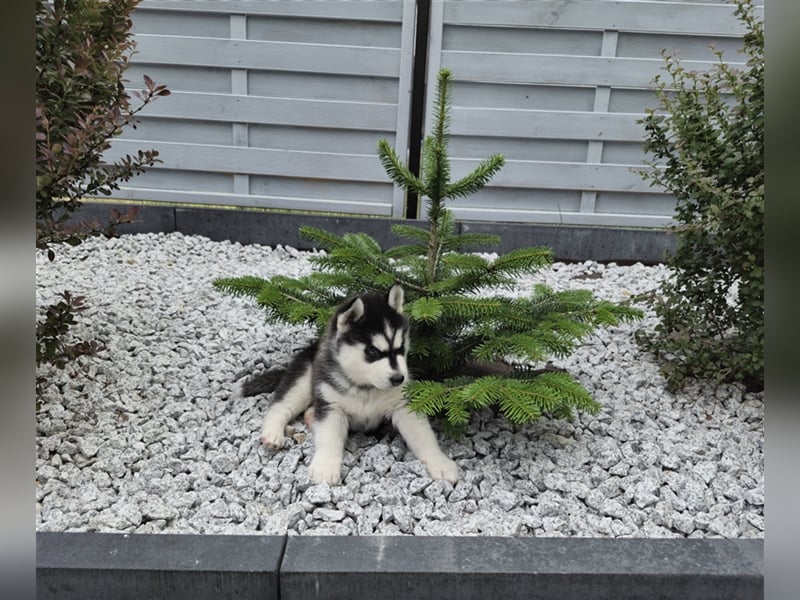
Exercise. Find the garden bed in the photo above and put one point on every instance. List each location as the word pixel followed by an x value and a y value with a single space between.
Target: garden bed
pixel 149 437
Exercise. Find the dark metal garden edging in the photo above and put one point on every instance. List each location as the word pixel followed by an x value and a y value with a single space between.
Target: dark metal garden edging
pixel 94 566
pixel 568 242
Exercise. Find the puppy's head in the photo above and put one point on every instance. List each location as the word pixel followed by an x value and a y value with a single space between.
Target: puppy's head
pixel 371 335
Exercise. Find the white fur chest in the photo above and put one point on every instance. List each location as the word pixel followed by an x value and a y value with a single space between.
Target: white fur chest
pixel 364 407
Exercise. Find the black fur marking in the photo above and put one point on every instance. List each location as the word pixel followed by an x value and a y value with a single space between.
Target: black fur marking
pixel 376 312
pixel 321 407
pixel 263 383
pixel 372 354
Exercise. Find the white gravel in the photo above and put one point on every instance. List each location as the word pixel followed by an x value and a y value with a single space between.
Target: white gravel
pixel 146 436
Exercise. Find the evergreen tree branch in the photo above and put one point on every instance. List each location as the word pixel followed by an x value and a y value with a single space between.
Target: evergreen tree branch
pixel 522 261
pixel 410 232
pixel 240 286
pixel 397 171
pixel 476 180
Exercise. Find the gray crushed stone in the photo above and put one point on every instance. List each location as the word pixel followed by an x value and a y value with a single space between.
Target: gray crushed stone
pixel 148 436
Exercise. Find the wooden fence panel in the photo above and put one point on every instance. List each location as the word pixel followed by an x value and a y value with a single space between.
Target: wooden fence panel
pixel 274 104
pixel 558 88
pixel 280 104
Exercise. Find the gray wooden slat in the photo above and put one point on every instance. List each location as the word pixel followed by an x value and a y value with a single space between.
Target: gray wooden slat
pixel 351 206
pixel 202 24
pixel 284 111
pixel 240 130
pixel 626 153
pixel 345 191
pixel 383 34
pixel 528 96
pixel 558 70
pixel 555 217
pixel 522 39
pixel 169 179
pixel 152 131
pixel 660 17
pixel 639 203
pixel 179 77
pixel 602 98
pixel 314 139
pixel 435 41
pixel 280 56
pixel 521 148
pixel 546 124
pixel 259 161
pixel 364 10
pixel 318 86
pixel 696 47
pixel 551 175
pixel 520 199
pixel 631 100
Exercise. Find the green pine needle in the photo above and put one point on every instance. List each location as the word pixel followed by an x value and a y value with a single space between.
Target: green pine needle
pixel 523 261
pixel 476 180
pixel 240 286
pixel 411 232
pixel 396 170
pixel 326 239
pixel 426 309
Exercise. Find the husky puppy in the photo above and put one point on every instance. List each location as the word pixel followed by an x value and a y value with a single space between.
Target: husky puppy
pixel 352 378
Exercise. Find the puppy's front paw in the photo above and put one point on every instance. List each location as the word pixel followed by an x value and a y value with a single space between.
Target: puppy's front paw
pixel 441 467
pixel 325 471
pixel 272 435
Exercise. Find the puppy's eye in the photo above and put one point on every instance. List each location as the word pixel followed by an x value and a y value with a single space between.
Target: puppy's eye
pixel 372 353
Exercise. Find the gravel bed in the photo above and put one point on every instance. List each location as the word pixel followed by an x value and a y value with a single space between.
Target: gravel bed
pixel 149 436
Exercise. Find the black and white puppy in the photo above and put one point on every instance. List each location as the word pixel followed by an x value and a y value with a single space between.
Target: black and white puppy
pixel 352 377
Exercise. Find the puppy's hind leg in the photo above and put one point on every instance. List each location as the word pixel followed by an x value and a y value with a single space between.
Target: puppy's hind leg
pixel 294 396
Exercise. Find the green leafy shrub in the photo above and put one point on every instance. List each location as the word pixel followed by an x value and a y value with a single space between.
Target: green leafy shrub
pixel 469 348
pixel 707 141
pixel 82 50
pixel 52 330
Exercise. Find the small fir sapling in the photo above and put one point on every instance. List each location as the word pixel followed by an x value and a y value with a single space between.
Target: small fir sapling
pixel 470 347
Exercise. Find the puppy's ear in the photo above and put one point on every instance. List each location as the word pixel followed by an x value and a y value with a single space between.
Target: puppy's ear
pixel 350 314
pixel 396 296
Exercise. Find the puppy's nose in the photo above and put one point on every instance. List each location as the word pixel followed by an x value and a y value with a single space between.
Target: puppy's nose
pixel 397 379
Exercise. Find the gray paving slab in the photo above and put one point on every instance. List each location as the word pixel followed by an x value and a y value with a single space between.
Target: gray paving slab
pixel 509 568
pixel 89 566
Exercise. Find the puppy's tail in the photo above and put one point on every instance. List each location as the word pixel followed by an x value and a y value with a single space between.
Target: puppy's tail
pixel 263 383
pixel 272 379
